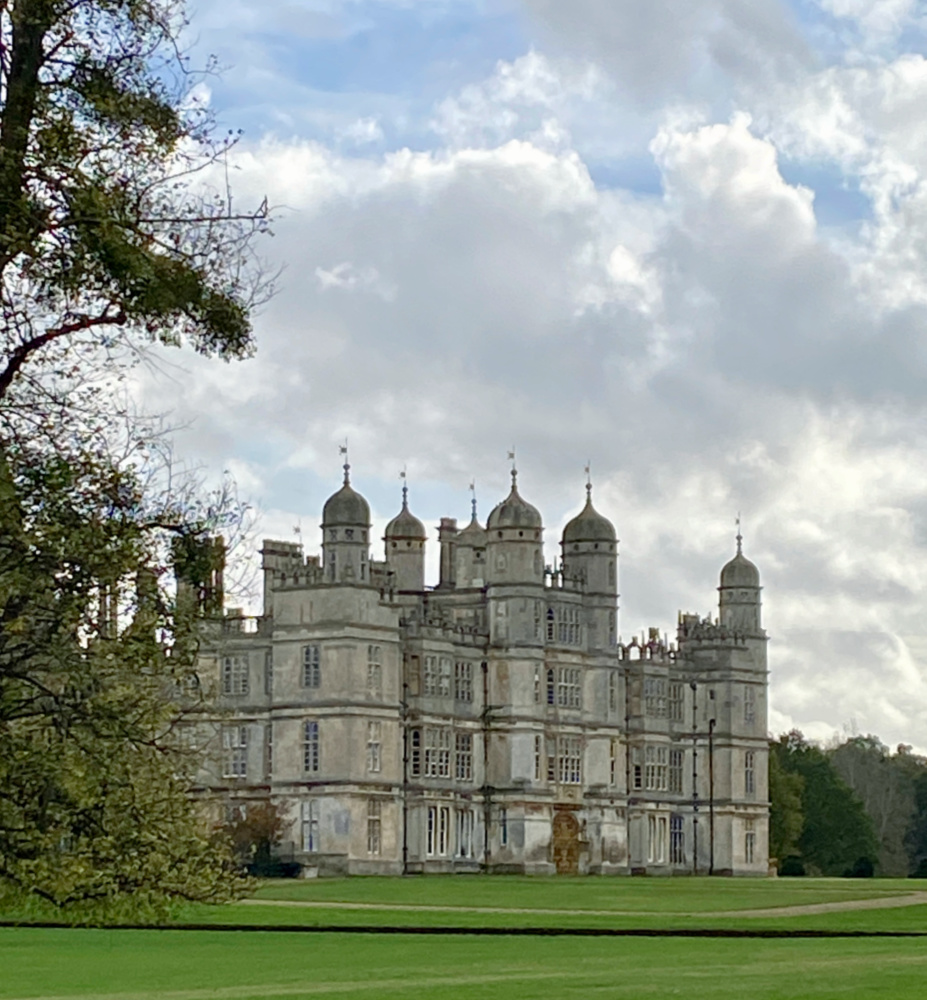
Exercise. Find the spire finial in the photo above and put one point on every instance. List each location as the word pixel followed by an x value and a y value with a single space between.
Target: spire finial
pixel 589 482
pixel 740 537
pixel 405 488
pixel 343 450
pixel 514 468
pixel 473 499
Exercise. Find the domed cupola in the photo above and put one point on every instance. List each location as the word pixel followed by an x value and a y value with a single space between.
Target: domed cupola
pixel 740 572
pixel 405 526
pixel 514 543
pixel 589 552
pixel 514 512
pixel 346 507
pixel 405 547
pixel 470 551
pixel 345 530
pixel 739 592
pixel 473 535
pixel 589 525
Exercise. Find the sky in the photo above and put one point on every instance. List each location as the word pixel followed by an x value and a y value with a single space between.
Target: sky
pixel 683 242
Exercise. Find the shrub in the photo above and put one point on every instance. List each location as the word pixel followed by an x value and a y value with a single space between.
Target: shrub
pixel 861 868
pixel 792 866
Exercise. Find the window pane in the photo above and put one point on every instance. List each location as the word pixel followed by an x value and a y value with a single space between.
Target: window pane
pixel 311 747
pixel 312 674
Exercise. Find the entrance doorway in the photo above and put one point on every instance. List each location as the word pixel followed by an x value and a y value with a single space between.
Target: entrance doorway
pixel 565 836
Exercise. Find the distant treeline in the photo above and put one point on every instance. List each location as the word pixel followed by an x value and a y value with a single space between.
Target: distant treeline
pixel 852 809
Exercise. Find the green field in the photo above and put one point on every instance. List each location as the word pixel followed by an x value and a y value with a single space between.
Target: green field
pixel 479 901
pixel 144 965
pixel 80 964
pixel 636 894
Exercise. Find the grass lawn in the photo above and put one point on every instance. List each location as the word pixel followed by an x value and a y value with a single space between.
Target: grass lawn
pixel 206 965
pixel 83 964
pixel 907 919
pixel 644 895
pixel 480 901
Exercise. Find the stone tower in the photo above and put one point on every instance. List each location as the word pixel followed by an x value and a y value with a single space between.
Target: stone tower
pixel 739 594
pixel 514 546
pixel 346 535
pixel 590 561
pixel 405 548
pixel 515 569
pixel 730 678
pixel 470 553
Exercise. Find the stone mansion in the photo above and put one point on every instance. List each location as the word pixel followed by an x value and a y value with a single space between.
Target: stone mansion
pixel 494 721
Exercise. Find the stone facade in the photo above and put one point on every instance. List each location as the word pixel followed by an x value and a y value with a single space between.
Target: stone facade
pixel 495 721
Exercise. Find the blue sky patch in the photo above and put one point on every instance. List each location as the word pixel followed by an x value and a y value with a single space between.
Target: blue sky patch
pixel 405 58
pixel 638 174
pixel 838 200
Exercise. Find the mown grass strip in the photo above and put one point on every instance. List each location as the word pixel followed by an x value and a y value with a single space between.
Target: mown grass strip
pixel 61 964
pixel 650 932
pixel 691 894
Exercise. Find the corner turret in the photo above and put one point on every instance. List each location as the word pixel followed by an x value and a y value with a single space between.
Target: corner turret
pixel 589 557
pixel 739 593
pixel 514 543
pixel 346 535
pixel 405 548
pixel 470 549
pixel 590 550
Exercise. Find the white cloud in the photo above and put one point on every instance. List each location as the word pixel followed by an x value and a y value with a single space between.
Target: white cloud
pixel 711 348
pixel 663 50
pixel 346 277
pixel 866 120
pixel 362 132
pixel 726 185
pixel 878 20
pixel 529 95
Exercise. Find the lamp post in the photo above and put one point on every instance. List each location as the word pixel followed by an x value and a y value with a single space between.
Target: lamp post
pixel 711 797
pixel 404 722
pixel 694 688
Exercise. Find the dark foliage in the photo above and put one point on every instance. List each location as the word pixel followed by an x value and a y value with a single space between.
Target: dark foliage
pixel 836 830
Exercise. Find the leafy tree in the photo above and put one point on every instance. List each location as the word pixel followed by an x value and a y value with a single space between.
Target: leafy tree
pixel 254 834
pixel 885 785
pixel 109 226
pixel 861 868
pixel 916 840
pixel 837 832
pixel 93 775
pixel 116 230
pixel 786 818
